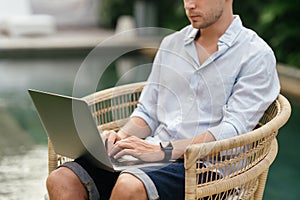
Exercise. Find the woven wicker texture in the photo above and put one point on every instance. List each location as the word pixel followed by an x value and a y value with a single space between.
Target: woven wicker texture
pixel 238 166
pixel 240 163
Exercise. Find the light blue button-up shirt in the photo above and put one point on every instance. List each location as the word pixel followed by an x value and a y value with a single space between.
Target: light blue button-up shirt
pixel 226 95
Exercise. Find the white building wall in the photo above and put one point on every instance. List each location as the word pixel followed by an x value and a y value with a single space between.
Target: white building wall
pixel 69 12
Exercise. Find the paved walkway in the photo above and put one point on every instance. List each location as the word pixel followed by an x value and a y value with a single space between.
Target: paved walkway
pixel 79 38
pixel 63 38
pixel 289 79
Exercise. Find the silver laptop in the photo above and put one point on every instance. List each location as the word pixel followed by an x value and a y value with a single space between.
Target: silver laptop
pixel 70 125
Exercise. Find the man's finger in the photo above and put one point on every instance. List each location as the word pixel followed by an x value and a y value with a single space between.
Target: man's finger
pixel 120 145
pixel 125 152
pixel 111 140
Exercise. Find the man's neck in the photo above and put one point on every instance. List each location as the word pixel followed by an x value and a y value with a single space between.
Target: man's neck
pixel 207 42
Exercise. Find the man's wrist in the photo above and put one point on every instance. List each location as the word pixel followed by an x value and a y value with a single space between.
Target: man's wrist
pixel 167 148
pixel 122 135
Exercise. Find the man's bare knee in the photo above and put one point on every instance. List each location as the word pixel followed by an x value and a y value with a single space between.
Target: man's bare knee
pixel 63 183
pixel 129 187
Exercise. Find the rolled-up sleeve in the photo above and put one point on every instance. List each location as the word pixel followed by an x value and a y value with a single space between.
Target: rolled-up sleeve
pixel 256 87
pixel 147 107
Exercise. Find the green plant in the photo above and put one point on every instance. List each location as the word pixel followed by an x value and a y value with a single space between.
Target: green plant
pixel 112 9
pixel 279 24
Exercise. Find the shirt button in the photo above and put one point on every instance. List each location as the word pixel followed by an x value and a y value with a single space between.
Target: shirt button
pixel 177 120
pixel 191 98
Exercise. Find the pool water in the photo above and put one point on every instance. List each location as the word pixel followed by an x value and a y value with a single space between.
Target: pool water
pixel 23 175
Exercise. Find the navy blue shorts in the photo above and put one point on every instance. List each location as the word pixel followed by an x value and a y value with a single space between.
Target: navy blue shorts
pixel 161 182
pixel 169 180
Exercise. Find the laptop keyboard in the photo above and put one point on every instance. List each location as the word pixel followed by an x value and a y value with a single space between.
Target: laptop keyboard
pixel 126 160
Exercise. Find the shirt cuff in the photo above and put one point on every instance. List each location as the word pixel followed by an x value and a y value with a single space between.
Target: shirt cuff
pixel 223 131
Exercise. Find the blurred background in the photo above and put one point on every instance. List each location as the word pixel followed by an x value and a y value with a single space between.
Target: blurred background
pixel 44 44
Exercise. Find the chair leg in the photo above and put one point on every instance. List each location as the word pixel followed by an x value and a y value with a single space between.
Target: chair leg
pixel 52 157
pixel 261 185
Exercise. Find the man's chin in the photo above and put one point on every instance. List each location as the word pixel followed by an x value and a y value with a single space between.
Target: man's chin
pixel 199 25
pixel 196 25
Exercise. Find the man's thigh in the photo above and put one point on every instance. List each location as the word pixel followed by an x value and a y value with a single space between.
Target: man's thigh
pixel 168 180
pixel 99 183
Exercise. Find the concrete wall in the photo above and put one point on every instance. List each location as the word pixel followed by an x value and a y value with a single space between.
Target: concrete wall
pixel 289 79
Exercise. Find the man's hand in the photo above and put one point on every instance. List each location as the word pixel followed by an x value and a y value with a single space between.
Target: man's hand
pixel 109 138
pixel 137 148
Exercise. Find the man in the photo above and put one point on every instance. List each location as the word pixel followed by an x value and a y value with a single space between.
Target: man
pixel 210 81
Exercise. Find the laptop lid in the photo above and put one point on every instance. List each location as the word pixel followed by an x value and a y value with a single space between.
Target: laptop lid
pixel 73 132
pixel 70 126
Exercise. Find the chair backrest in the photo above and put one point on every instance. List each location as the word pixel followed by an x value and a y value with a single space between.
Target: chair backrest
pixel 112 107
pixel 233 157
pixel 17 18
pixel 14 8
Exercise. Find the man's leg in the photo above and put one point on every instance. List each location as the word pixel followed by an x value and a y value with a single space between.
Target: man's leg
pixel 63 183
pixel 128 187
pixel 162 182
pixel 81 179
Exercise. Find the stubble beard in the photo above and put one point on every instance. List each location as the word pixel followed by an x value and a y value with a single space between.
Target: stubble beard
pixel 208 19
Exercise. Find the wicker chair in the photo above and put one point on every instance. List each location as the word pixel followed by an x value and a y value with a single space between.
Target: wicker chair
pixel 241 163
pixel 238 166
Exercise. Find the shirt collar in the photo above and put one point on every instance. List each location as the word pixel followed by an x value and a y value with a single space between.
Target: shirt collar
pixel 191 35
pixel 232 31
pixel 228 37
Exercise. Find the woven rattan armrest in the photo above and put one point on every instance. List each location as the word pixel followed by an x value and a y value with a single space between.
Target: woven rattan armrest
pixel 234 156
